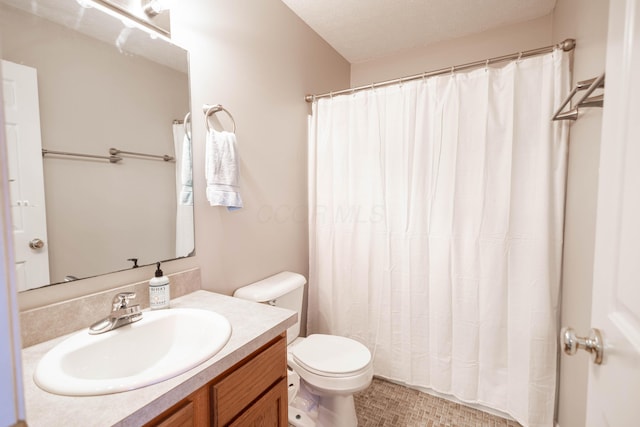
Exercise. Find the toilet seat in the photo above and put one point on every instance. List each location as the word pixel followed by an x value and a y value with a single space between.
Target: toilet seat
pixel 331 356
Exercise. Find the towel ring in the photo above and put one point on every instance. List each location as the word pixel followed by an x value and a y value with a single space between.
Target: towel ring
pixel 209 110
pixel 187 125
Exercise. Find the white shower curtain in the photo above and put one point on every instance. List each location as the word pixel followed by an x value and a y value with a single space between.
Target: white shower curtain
pixel 436 222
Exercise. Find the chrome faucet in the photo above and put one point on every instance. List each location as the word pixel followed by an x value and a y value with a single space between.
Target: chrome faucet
pixel 121 314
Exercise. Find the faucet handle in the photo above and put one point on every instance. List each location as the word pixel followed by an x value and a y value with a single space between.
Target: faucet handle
pixel 122 299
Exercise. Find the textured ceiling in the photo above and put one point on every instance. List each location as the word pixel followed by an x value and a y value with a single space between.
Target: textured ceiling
pixel 361 30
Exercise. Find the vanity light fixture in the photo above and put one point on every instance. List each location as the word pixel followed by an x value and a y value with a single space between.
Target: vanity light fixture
pixel 128 18
pixel 153 8
pixel 84 3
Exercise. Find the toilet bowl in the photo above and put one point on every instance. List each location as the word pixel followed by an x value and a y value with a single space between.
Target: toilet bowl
pixel 331 368
pixel 324 370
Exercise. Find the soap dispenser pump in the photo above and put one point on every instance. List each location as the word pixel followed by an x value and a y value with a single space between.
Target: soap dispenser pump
pixel 159 290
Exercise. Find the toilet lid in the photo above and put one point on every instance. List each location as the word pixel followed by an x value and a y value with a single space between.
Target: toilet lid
pixel 330 354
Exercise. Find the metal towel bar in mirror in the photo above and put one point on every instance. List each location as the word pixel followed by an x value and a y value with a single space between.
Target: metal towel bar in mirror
pixel 165 157
pixel 209 110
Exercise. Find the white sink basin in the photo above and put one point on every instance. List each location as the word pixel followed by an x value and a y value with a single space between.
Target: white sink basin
pixel 165 343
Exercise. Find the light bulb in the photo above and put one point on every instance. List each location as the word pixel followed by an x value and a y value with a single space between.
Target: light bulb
pixel 155 7
pixel 85 3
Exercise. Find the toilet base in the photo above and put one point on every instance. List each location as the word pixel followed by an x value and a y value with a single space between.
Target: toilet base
pixel 308 409
pixel 303 405
pixel 337 411
pixel 299 418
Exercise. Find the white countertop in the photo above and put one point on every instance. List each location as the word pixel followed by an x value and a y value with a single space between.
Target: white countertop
pixel 253 325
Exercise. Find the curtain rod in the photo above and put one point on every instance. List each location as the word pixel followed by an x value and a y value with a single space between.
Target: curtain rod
pixel 566 45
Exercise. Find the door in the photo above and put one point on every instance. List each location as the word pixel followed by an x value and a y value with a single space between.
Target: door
pixel 11 386
pixel 26 183
pixel 614 386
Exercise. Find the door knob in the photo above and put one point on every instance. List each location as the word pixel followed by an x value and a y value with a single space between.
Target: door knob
pixel 36 244
pixel 571 343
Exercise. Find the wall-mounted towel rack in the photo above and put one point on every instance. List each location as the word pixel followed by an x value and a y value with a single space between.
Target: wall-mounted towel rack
pixel 209 110
pixel 165 157
pixel 585 101
pixel 187 125
pixel 112 158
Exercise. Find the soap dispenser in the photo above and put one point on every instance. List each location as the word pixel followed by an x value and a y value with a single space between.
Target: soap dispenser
pixel 159 290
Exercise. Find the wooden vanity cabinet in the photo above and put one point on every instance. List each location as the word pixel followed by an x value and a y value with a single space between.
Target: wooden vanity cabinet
pixel 252 393
pixel 191 411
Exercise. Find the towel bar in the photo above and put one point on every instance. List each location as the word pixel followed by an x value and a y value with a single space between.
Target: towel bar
pixel 187 125
pixel 165 157
pixel 212 109
pixel 112 158
pixel 585 101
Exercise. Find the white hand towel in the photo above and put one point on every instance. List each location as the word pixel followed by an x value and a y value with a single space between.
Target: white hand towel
pixel 186 174
pixel 221 170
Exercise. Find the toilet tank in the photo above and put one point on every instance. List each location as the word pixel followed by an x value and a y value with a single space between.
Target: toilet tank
pixel 285 289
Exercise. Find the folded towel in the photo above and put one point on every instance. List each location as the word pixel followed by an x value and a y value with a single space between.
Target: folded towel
pixel 221 170
pixel 186 174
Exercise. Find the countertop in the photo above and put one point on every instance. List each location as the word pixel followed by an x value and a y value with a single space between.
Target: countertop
pixel 253 325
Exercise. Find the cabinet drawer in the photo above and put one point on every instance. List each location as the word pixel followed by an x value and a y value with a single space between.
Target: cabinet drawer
pixel 235 392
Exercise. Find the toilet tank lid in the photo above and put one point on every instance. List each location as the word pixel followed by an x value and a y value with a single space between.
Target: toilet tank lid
pixel 272 287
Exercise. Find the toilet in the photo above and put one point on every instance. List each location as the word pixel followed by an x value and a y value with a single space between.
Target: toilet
pixel 324 370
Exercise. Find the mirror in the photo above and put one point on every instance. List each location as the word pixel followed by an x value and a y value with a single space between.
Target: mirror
pixel 79 79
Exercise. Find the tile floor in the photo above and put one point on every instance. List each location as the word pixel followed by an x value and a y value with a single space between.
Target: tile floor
pixel 385 404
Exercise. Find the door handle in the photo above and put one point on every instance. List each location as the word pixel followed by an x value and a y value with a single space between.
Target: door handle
pixel 36 244
pixel 593 344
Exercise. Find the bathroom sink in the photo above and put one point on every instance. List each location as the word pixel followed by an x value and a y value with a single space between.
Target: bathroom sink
pixel 165 343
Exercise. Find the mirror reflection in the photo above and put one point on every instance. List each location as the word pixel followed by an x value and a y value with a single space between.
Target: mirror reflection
pixel 79 81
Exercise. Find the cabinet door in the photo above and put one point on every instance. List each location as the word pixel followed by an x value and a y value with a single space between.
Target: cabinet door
pixel 190 412
pixel 182 417
pixel 269 411
pixel 234 393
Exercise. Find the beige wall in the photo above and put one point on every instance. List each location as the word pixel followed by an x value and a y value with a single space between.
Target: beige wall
pixel 500 41
pixel 586 21
pixel 93 97
pixel 258 60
